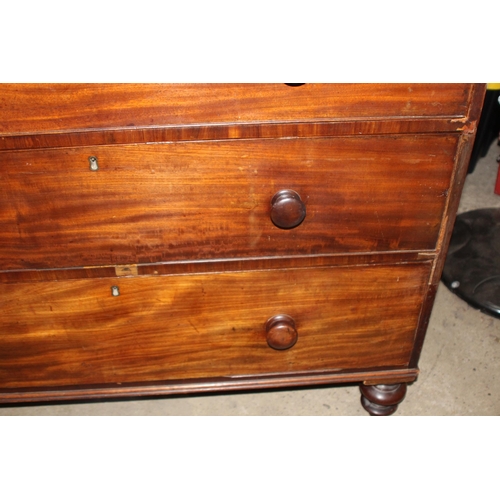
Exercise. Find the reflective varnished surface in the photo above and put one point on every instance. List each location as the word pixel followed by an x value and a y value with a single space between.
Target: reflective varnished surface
pixel 165 239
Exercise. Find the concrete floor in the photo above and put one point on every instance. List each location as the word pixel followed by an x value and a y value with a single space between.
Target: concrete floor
pixel 460 362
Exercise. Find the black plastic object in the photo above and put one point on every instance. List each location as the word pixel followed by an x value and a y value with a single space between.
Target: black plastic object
pixel 472 267
pixel 487 128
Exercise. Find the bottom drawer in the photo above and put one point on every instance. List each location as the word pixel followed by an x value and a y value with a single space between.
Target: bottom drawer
pixel 207 325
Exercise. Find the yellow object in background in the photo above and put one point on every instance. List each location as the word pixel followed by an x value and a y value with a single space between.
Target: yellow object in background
pixel 493 86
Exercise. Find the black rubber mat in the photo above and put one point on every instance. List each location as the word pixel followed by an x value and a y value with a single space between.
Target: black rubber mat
pixel 472 268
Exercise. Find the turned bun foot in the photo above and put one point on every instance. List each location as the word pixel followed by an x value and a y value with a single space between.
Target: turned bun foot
pixel 382 400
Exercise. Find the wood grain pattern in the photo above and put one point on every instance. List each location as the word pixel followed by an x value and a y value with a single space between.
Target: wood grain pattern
pixel 199 201
pixel 42 108
pixel 186 327
pixel 213 266
pixel 213 132
pixel 178 217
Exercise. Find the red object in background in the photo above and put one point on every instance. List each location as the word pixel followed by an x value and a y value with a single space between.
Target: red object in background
pixel 497 183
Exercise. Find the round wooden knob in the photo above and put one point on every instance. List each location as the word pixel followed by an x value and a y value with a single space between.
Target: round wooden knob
pixel 280 332
pixel 287 209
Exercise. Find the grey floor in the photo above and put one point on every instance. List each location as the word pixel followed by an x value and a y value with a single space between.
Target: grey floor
pixel 459 366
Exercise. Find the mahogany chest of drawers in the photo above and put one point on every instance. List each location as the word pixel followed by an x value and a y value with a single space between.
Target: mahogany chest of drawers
pixel 163 239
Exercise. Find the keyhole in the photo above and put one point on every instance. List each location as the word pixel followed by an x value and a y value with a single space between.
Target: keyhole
pixel 93 163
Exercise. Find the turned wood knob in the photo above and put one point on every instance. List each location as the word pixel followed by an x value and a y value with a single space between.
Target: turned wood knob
pixel 280 332
pixel 287 209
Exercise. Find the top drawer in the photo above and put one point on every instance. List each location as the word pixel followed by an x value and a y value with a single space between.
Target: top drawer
pixel 30 108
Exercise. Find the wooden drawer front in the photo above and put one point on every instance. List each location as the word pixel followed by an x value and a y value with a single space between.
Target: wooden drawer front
pixel 197 326
pixel 26 109
pixel 191 201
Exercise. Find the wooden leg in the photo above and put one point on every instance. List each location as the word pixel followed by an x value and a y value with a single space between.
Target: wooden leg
pixel 382 400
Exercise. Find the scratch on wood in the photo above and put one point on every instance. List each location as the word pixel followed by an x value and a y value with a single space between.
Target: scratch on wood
pixel 430 255
pixel 468 127
pixel 459 120
pixel 194 327
pixel 438 247
pixel 130 270
pixel 380 224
